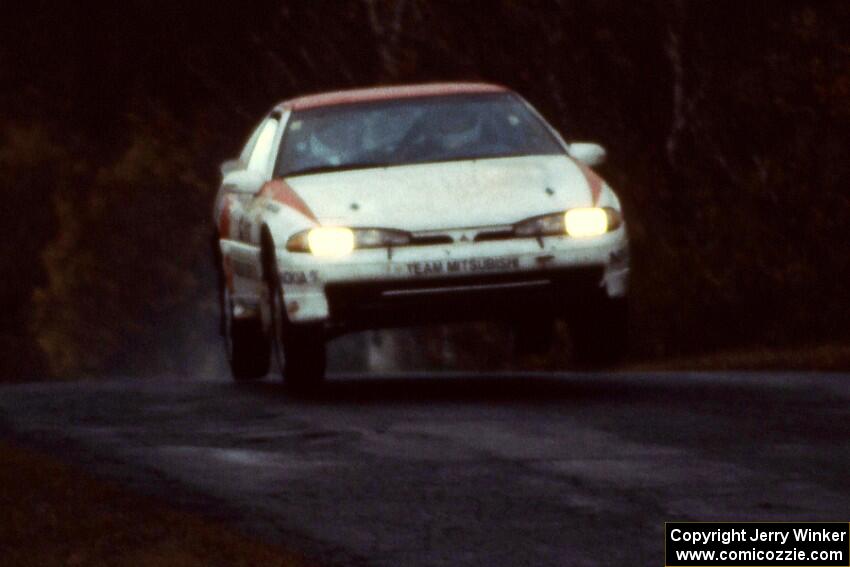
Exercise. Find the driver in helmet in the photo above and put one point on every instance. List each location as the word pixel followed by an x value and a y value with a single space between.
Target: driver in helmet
pixel 457 127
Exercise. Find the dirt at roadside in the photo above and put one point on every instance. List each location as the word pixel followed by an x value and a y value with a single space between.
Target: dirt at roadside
pixel 52 514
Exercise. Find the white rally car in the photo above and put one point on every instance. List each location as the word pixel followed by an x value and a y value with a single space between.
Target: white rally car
pixel 397 205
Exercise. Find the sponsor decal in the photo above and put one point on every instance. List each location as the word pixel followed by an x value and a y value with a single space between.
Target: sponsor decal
pixel 468 265
pixel 297 277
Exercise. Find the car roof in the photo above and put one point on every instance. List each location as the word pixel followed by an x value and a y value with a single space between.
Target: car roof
pixel 353 96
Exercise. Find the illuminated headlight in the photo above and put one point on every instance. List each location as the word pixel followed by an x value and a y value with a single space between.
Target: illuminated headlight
pixel 580 223
pixel 334 242
pixel 577 223
pixel 330 241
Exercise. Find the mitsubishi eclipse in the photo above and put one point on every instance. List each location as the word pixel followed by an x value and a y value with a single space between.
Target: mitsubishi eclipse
pixel 392 206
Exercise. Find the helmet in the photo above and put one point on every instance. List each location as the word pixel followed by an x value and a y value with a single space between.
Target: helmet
pixel 457 127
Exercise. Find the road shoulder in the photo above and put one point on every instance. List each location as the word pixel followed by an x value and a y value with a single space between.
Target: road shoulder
pixel 53 514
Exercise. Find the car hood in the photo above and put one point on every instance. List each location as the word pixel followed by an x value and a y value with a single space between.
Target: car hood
pixel 435 196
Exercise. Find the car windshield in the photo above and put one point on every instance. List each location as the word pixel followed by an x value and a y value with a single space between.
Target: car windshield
pixel 421 130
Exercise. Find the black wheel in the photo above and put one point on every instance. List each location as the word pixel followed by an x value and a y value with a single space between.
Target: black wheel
pixel 248 349
pixel 299 350
pixel 600 333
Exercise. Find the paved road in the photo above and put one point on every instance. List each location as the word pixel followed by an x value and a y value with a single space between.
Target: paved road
pixel 511 470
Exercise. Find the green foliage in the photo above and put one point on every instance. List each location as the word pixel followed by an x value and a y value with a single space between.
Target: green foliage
pixel 33 167
pixel 124 264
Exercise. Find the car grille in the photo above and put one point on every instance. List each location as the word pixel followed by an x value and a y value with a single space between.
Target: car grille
pixel 474 234
pixel 431 239
pixel 463 297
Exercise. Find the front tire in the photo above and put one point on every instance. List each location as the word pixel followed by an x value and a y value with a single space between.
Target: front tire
pixel 299 350
pixel 248 349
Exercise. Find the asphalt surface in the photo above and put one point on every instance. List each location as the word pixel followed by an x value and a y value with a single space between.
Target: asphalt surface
pixel 571 469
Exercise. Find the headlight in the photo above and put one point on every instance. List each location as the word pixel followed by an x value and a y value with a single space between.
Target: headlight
pixel 586 222
pixel 577 223
pixel 327 241
pixel 330 241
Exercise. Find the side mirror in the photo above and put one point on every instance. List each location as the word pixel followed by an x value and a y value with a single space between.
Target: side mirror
pixel 243 181
pixel 588 153
pixel 230 165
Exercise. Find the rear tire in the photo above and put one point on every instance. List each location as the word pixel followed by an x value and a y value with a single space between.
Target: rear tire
pixel 600 333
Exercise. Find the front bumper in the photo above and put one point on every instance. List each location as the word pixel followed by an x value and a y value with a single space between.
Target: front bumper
pixel 380 287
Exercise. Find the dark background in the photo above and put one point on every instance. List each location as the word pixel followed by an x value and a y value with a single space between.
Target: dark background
pixel 727 125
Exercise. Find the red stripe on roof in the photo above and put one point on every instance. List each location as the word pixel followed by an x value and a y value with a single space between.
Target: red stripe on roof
pixel 354 96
